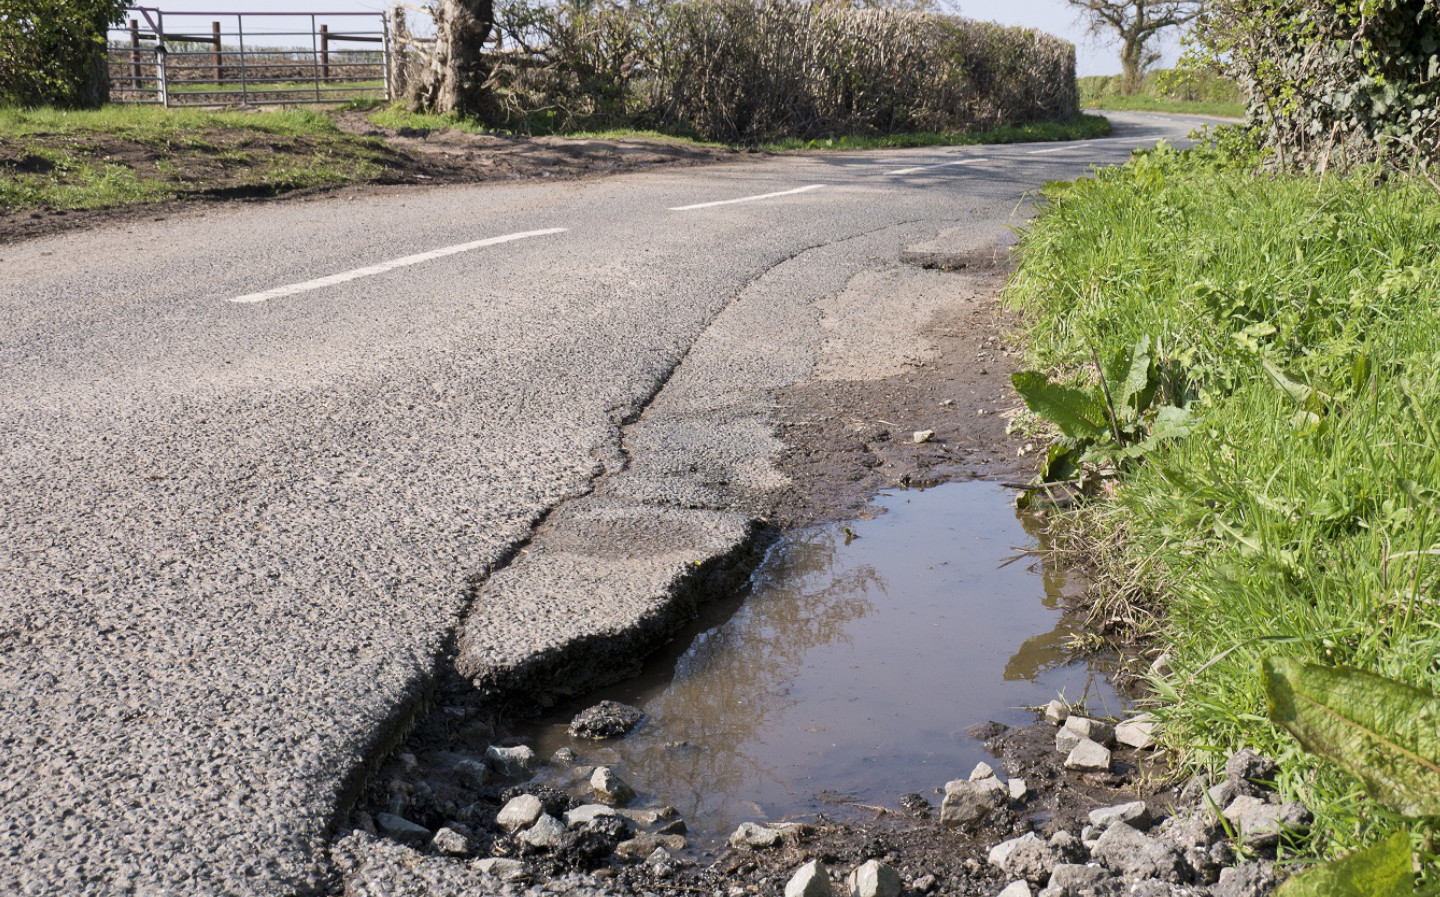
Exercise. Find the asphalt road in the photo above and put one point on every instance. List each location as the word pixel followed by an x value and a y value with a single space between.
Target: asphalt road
pixel 250 459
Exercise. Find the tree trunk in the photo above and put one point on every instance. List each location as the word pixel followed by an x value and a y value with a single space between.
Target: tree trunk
pixel 1132 64
pixel 454 81
pixel 95 90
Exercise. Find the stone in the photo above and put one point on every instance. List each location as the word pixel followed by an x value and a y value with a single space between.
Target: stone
pixel 1260 823
pixel 1028 857
pixel 1016 889
pixel 641 846
pixel 810 880
pixel 1056 712
pixel 1250 773
pixel 660 857
pixel 393 825
pixel 643 818
pixel 472 773
pixel 1153 888
pixel 520 812
pixel 1073 879
pixel 1065 740
pixel 512 762
pixel 546 833
pixel 926 883
pixel 920 436
pixel 1161 668
pixel 564 758
pixel 1089 835
pixel 1134 814
pixel 1218 797
pixel 610 788
pixel 608 719
pixel 1018 789
pixel 449 842
pixel 1244 880
pixel 501 867
pixel 1093 729
pixel 585 813
pixel 1088 756
pixel 981 772
pixel 968 804
pixel 673 827
pixel 1066 847
pixel 753 836
pixel 1132 854
pixel 1138 732
pixel 873 878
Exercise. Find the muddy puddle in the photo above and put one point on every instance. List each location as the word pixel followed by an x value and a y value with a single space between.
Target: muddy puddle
pixel 851 668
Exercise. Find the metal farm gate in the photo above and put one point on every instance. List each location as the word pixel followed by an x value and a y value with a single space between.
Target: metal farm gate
pixel 227 58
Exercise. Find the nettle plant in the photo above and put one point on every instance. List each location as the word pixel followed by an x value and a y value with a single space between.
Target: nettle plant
pixel 1136 403
pixel 1385 733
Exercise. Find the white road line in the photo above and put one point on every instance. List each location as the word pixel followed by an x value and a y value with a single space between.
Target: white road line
pixel 929 167
pixel 1053 149
pixel 371 270
pixel 726 202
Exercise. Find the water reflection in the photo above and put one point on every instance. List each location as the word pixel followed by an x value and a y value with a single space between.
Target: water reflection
pixel 852 667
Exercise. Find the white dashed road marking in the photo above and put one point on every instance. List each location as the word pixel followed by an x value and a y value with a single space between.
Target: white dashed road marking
pixel 726 202
pixel 929 167
pixel 371 270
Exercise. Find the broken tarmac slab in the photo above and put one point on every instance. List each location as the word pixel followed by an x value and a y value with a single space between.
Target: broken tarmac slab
pixel 954 250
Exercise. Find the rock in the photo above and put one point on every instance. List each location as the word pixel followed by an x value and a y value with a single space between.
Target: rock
pixel 1056 712
pixel 1067 848
pixel 810 880
pixel 1134 814
pixel 501 868
pixel 1028 857
pixel 1245 880
pixel 1065 740
pixel 873 878
pixel 1018 789
pixel 661 857
pixel 1132 854
pixel 673 827
pixel 641 846
pixel 1260 824
pixel 915 804
pixel 401 829
pixel 1161 668
pixel 1089 835
pixel 1016 889
pixel 967 804
pixel 1093 729
pixel 926 883
pixel 986 730
pixel 753 836
pixel 545 834
pixel 608 719
pixel 1199 829
pixel 1088 756
pixel 472 773
pixel 449 842
pixel 610 788
pixel 584 814
pixel 512 762
pixel 520 812
pixel 981 772
pixel 1073 879
pixel 643 818
pixel 1153 888
pixel 1250 773
pixel 1137 732
pixel 1218 797
pixel 564 758
pixel 920 436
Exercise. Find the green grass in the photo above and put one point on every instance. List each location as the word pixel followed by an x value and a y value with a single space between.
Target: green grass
pixel 1142 103
pixel 1302 517
pixel 1084 127
pixel 125 155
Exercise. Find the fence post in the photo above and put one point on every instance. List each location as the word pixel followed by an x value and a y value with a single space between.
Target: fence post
pixel 215 39
pixel 162 77
pixel 385 54
pixel 325 53
pixel 135 71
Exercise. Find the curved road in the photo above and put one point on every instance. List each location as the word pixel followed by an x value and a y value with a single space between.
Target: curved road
pixel 251 458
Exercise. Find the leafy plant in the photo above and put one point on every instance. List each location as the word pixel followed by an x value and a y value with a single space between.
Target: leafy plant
pixel 1385 733
pixel 1130 410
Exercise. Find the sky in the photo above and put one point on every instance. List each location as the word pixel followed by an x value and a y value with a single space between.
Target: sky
pixel 1094 55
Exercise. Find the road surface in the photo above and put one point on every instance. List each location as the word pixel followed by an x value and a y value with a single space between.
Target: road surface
pixel 252 462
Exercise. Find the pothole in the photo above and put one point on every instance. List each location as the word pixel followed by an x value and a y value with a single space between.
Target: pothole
pixel 847 673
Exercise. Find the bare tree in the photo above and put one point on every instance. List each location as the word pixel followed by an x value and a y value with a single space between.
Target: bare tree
pixel 1136 23
pixel 454 80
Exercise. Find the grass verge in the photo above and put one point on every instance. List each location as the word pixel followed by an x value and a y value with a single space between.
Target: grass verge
pixel 1301 516
pixel 1142 103
pixel 125 155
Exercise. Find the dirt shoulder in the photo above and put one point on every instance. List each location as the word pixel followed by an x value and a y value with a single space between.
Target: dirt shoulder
pixel 129 176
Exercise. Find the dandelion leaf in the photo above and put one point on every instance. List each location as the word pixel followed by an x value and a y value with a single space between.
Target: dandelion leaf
pixel 1384 732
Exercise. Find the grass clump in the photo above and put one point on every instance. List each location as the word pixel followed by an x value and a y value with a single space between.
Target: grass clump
pixel 1169 90
pixel 1301 517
